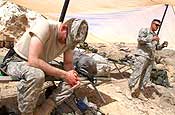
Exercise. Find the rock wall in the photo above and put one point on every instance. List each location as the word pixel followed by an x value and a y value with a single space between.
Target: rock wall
pixel 14 20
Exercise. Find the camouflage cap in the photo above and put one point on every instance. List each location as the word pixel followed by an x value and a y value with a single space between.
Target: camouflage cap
pixel 78 33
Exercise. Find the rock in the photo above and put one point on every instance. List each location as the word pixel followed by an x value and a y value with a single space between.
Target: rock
pixel 14 20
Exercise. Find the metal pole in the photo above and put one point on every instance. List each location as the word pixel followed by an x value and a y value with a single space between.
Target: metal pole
pixel 64 9
pixel 173 9
pixel 163 18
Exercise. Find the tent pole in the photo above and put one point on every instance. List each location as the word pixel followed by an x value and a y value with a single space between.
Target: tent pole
pixel 173 9
pixel 64 9
pixel 163 18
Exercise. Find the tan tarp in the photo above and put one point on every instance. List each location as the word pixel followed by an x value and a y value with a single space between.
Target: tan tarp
pixel 112 20
pixel 76 6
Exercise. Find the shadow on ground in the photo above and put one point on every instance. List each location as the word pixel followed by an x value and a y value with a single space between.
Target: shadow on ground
pixel 119 76
pixel 92 96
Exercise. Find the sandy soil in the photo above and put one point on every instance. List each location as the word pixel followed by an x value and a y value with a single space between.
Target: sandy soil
pixel 116 92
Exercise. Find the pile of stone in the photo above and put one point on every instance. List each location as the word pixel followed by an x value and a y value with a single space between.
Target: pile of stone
pixel 14 20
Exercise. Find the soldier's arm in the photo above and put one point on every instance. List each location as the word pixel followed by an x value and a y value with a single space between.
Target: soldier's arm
pixel 161 46
pixel 143 37
pixel 68 60
pixel 34 60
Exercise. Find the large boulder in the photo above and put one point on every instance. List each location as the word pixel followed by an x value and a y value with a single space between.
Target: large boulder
pixel 14 20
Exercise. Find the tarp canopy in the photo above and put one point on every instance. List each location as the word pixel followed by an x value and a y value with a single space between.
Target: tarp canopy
pixel 112 20
pixel 48 7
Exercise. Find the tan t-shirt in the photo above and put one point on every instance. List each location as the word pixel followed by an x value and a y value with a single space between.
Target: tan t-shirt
pixel 47 32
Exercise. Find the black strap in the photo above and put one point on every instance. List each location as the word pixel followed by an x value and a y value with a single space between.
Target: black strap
pixel 9 54
pixel 8 57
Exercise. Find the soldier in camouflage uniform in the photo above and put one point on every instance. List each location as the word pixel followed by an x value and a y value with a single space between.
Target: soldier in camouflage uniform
pixel 39 45
pixel 148 43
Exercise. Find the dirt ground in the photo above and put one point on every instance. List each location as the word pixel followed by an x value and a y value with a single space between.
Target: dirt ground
pixel 116 92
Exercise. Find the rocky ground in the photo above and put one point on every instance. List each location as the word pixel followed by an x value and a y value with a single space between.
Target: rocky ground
pixel 161 100
pixel 118 89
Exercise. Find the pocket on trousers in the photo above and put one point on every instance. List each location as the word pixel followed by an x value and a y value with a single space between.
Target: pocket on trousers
pixel 21 86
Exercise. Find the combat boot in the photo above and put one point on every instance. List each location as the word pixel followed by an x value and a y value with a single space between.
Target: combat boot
pixel 46 108
pixel 136 93
pixel 142 97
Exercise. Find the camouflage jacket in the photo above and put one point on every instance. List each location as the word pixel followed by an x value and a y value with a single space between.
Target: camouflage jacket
pixel 146 47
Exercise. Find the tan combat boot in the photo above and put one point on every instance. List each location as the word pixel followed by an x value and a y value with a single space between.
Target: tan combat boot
pixel 135 93
pixel 142 97
pixel 46 108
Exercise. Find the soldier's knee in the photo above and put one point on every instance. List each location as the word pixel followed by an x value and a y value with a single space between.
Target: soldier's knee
pixel 40 75
pixel 37 75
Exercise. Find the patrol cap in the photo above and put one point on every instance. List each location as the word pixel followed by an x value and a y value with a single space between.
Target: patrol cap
pixel 78 32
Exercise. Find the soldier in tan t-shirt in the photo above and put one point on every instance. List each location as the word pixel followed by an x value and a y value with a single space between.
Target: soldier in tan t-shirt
pixel 42 43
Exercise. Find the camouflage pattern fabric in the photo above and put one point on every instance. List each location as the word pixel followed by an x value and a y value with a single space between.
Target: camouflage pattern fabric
pixel 30 86
pixel 145 55
pixel 136 77
pixel 78 33
pixel 146 47
pixel 160 77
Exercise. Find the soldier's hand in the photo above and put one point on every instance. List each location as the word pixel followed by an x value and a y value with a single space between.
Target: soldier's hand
pixel 155 38
pixel 165 44
pixel 72 78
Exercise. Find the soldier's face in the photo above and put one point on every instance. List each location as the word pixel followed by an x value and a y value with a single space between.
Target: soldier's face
pixel 155 25
pixel 62 33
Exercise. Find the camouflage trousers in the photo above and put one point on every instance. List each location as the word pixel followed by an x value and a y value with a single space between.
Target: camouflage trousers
pixel 30 86
pixel 141 73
